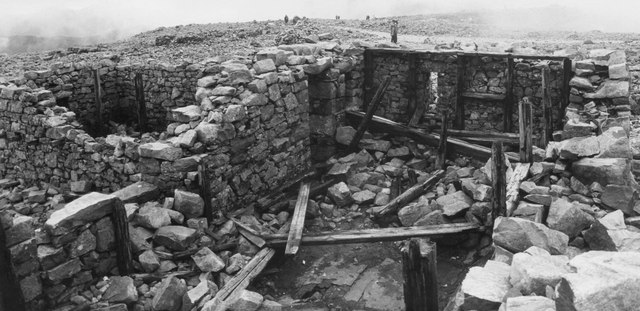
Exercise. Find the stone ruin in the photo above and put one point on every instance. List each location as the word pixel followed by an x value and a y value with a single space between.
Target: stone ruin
pixel 225 133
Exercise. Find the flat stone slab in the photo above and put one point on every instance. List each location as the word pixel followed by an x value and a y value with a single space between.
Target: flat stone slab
pixel 139 192
pixel 85 209
pixel 378 291
pixel 339 272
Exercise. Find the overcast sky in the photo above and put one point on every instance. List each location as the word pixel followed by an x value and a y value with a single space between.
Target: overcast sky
pixel 124 17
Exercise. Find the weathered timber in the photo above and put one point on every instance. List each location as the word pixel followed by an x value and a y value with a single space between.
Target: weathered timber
pixel 547 114
pixel 215 248
pixel 413 177
pixel 375 102
pixel 205 191
pixel 442 144
pixel 409 195
pixel 419 269
pixel 484 96
pixel 297 221
pixel 525 121
pixel 141 107
pixel 388 51
pixel 483 134
pixel 255 239
pixel 396 185
pixel 11 297
pixel 418 108
pixel 460 74
pixel 97 92
pixel 507 104
pixel 498 180
pixel 513 187
pixel 241 280
pixel 280 194
pixel 454 145
pixel 123 241
pixel 369 68
pixel 567 74
pixel 155 276
pixel 373 235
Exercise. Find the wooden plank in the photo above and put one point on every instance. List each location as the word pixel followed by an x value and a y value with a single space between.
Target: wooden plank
pixel 373 235
pixel 454 145
pixel 297 221
pixel 370 111
pixel 205 191
pixel 279 194
pixel 11 296
pixel 140 104
pixel 396 185
pixel 486 135
pixel 547 114
pixel 513 187
pixel 507 108
pixel 412 91
pixel 409 195
pixel 97 92
pixel 498 180
pixel 484 96
pixel 525 121
pixel 566 78
pixel 442 144
pixel 369 69
pixel 123 240
pixel 419 269
pixel 460 74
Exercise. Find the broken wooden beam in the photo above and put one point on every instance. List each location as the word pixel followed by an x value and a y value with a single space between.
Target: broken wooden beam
pixel 121 231
pixel 513 187
pixel 525 121
pixel 141 110
pixel 442 144
pixel 498 180
pixel 373 235
pixel 508 103
pixel 375 102
pixel 409 195
pixel 547 114
pixel 454 145
pixel 297 221
pixel 485 135
pixel 419 270
pixel 458 122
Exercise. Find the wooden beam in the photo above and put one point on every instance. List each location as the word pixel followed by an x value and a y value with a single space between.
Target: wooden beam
pixel 279 194
pixel 507 107
pixel 123 241
pixel 370 111
pixel 525 121
pixel 391 51
pixel 141 106
pixel 460 74
pixel 369 69
pixel 412 91
pixel 442 144
pixel 373 235
pixel 484 96
pixel 419 269
pixel 97 92
pixel 513 187
pixel 510 137
pixel 498 180
pixel 297 221
pixel 566 89
pixel 547 116
pixel 409 195
pixel 454 145
pixel 205 191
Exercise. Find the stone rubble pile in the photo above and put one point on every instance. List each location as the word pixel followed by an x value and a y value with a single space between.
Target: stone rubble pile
pixel 65 264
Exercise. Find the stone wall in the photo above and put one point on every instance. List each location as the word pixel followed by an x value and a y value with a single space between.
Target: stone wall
pixel 483 75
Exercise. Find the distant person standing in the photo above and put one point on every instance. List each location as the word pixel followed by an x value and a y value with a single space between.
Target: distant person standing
pixel 394 31
pixel 286 19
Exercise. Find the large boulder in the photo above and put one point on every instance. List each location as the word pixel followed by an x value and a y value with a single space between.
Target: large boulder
pixel 340 194
pixel 455 203
pixel 191 205
pixel 169 295
pixel 152 216
pixel 175 237
pixel 409 214
pixel 614 143
pixel 247 301
pixel 85 209
pixel 160 151
pixel 603 281
pixel 578 147
pixel 485 287
pixel 568 217
pixel 602 170
pixel 610 89
pixel 121 289
pixel 207 261
pixel 517 235
pixel 535 269
pixel 620 197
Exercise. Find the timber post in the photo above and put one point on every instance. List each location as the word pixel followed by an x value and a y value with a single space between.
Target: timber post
pixel 419 269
